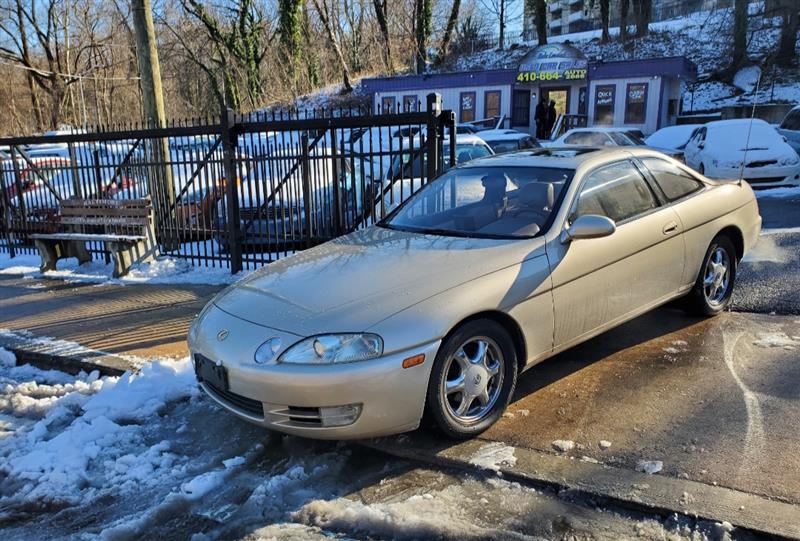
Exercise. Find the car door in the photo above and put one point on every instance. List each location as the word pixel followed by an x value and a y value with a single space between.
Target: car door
pixel 790 129
pixel 692 151
pixel 601 282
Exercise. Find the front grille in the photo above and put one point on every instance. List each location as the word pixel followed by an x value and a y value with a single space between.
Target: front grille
pixel 764 180
pixel 299 415
pixel 270 212
pixel 237 401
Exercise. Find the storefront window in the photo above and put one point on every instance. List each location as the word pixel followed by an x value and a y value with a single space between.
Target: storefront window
pixel 636 103
pixel 604 104
pixel 409 103
pixel 387 104
pixel 582 106
pixel 491 104
pixel 467 107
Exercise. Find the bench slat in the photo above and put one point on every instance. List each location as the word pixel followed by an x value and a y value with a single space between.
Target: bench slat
pixel 105 220
pixel 101 203
pixel 87 237
pixel 109 211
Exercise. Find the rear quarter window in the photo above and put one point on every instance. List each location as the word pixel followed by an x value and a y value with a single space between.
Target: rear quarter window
pixel 673 181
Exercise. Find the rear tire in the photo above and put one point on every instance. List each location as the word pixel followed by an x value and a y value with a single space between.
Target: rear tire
pixel 472 380
pixel 713 289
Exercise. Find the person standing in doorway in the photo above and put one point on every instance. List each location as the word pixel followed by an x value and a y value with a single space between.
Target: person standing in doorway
pixel 551 118
pixel 541 119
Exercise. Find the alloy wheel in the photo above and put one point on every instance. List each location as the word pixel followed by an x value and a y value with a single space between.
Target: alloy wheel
pixel 473 380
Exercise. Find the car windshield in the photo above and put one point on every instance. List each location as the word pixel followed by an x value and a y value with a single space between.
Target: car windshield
pixel 500 147
pixel 484 202
pixel 402 165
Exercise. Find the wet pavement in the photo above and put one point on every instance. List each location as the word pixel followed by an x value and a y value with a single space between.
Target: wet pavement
pixel 716 401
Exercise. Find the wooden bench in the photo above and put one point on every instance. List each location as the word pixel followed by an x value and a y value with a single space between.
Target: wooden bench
pixel 124 226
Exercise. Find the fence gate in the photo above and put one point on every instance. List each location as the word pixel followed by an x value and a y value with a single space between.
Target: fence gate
pixel 237 192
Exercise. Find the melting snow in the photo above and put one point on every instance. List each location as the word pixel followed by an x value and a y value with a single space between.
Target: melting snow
pixel 165 270
pixel 493 456
pixel 563 446
pixel 604 444
pixel 777 340
pixel 649 466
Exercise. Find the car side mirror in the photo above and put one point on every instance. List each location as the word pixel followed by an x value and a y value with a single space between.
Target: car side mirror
pixel 589 226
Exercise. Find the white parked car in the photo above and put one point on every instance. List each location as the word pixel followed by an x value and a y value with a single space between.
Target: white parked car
pixel 610 136
pixel 672 137
pixel 598 137
pixel 719 149
pixel 503 141
pixel 790 128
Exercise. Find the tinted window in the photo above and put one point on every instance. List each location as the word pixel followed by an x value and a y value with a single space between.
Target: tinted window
pixel 500 147
pixel 792 121
pixel 618 191
pixel 673 181
pixel 620 139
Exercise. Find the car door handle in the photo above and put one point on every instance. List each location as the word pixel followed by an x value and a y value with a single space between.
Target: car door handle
pixel 670 228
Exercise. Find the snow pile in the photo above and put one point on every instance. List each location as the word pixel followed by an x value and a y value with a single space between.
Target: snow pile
pixel 87 436
pixel 164 270
pixel 777 340
pixel 7 359
pixel 563 446
pixel 649 466
pixel 493 456
pixel 789 192
pixel 747 78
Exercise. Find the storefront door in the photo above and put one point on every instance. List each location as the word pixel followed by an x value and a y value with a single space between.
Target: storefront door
pixel 559 95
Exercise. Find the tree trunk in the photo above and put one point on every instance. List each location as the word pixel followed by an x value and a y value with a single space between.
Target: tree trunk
pixel 324 15
pixel 604 16
pixel 380 14
pixel 788 41
pixel 739 34
pixel 502 37
pixel 643 10
pixel 448 31
pixel 540 14
pixel 624 9
pixel 423 13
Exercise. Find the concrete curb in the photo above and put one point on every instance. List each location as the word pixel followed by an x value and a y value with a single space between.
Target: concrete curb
pixel 626 488
pixel 69 358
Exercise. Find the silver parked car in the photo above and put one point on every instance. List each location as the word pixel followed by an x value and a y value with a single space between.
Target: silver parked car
pixel 491 268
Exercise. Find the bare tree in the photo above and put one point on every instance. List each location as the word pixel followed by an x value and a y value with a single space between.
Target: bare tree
pixel 624 10
pixel 787 43
pixel 539 10
pixel 739 34
pixel 325 17
pixel 448 31
pixel 380 15
pixel 422 29
pixel 643 10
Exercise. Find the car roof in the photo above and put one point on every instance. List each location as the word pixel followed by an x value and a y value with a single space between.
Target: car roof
pixel 566 157
pixel 499 135
pixel 600 129
pixel 468 138
pixel 736 122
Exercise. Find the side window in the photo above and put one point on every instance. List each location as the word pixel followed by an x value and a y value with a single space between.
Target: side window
pixel 673 181
pixel 792 121
pixel 618 191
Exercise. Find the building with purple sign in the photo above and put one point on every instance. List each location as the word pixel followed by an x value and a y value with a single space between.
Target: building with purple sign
pixel 637 94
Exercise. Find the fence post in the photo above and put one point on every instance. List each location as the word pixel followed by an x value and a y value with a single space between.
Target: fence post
pixel 337 180
pixel 434 103
pixel 307 195
pixel 18 182
pixel 5 207
pixel 73 164
pixel 229 144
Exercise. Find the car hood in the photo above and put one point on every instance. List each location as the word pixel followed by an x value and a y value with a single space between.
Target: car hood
pixel 355 281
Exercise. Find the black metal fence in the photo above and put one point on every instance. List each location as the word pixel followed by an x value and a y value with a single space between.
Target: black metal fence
pixel 238 191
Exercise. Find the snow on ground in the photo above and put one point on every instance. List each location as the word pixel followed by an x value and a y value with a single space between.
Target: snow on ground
pixel 563 446
pixel 777 340
pixel 786 192
pixel 649 466
pixel 165 270
pixel 493 456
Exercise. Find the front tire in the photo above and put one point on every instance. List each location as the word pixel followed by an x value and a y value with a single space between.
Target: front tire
pixel 473 379
pixel 713 289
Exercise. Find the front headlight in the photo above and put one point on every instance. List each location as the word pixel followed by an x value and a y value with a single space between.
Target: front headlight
pixel 334 349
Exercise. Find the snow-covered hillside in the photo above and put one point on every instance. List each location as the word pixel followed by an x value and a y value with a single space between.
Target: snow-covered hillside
pixel 703 37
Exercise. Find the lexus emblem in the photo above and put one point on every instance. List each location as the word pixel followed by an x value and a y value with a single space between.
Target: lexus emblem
pixel 222 335
pixel 477 379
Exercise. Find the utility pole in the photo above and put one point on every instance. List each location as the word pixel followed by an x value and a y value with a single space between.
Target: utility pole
pixel 155 117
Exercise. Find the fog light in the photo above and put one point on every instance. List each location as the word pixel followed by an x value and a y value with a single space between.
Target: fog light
pixel 339 415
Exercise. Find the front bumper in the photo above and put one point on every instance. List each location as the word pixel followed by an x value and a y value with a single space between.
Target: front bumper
pixel 288 398
pixel 762 177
